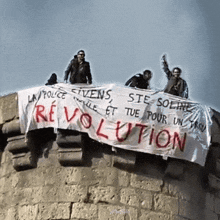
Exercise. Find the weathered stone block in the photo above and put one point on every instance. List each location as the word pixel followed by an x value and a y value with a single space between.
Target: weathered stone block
pixel 50 194
pixel 129 197
pixel 101 160
pixel 107 194
pixel 54 211
pixel 11 214
pixel 112 176
pixel 5 201
pixel 11 128
pixel 23 154
pixel 6 157
pixel 28 212
pixel 70 150
pixel 36 195
pixel 179 189
pixel 146 182
pixel 124 158
pixel 23 161
pixel 18 144
pixel 149 215
pixel 21 197
pixel 84 211
pixel 146 199
pixel 123 178
pixel 105 176
pixel 72 175
pixel 106 212
pixel 73 193
pixel 70 156
pixel 2 216
pixel 26 196
pixel 166 204
pixel 35 178
pixel 8 107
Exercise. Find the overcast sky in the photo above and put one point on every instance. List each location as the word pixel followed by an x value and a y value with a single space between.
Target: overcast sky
pixel 120 38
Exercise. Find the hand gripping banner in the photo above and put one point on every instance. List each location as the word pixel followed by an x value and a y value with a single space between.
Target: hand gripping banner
pixel 134 119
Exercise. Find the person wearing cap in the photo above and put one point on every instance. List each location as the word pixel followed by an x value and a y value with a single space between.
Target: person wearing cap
pixel 78 69
pixel 141 81
pixel 175 85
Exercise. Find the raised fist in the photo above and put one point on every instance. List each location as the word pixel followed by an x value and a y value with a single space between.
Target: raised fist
pixel 164 57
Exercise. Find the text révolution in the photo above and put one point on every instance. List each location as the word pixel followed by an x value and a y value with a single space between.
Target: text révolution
pixel 162 138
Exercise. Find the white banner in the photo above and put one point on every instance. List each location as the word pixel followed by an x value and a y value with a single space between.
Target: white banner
pixel 133 119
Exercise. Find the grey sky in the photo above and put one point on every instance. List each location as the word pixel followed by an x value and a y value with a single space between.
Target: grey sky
pixel 120 38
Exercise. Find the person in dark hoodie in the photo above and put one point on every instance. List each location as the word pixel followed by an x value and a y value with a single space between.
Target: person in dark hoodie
pixel 78 69
pixel 175 85
pixel 141 81
pixel 52 80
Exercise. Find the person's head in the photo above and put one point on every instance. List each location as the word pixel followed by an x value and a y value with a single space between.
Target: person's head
pixel 176 72
pixel 147 74
pixel 81 55
pixel 54 76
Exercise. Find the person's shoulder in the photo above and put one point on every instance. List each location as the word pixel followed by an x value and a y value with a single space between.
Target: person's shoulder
pixel 86 62
pixel 183 80
pixel 135 77
pixel 73 60
pixel 138 75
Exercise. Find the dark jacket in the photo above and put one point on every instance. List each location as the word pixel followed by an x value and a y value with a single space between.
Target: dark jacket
pixel 52 80
pixel 175 86
pixel 138 82
pixel 79 73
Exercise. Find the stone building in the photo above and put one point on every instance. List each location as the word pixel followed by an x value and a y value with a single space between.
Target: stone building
pixel 68 176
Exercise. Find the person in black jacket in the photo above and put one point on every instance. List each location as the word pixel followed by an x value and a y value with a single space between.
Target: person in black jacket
pixel 175 85
pixel 79 70
pixel 139 80
pixel 52 80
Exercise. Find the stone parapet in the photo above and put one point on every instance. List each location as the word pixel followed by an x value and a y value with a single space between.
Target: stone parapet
pixel 70 144
pixel 11 128
pixel 99 190
pixel 23 153
pixel 66 175
pixel 8 108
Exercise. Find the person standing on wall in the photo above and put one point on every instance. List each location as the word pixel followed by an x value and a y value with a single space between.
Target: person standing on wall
pixel 175 85
pixel 141 81
pixel 78 69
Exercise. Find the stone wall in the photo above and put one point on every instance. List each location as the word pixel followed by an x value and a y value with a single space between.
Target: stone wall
pixel 68 176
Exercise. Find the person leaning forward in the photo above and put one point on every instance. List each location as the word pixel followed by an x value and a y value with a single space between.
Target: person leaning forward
pixel 78 69
pixel 141 81
pixel 175 85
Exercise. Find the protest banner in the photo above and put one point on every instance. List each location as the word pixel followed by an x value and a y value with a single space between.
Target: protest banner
pixel 134 119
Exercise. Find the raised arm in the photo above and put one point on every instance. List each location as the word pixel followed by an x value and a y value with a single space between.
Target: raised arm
pixel 166 67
